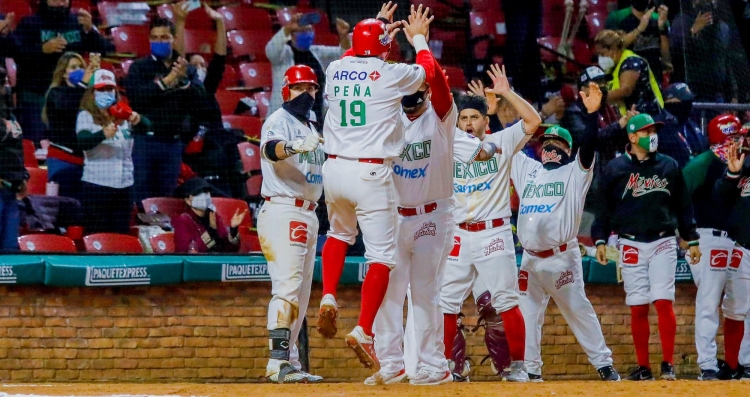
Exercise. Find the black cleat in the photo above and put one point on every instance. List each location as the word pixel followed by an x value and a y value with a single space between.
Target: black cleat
pixel 725 373
pixel 667 371
pixel 534 378
pixel 607 374
pixel 709 374
pixel 641 373
pixel 745 374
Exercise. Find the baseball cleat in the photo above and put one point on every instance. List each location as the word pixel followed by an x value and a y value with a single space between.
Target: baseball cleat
pixel 386 378
pixel 363 347
pixel 608 374
pixel 288 374
pixel 327 316
pixel 641 373
pixel 313 378
pixel 534 378
pixel 431 378
pixel 667 371
pixel 745 376
pixel 709 374
pixel 517 372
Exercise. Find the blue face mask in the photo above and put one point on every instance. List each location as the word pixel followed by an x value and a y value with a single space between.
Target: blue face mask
pixel 160 49
pixel 76 76
pixel 104 99
pixel 303 40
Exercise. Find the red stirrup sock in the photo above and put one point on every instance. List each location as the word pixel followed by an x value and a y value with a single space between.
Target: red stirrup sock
pixel 515 331
pixel 733 333
pixel 450 328
pixel 334 256
pixel 667 328
pixel 373 293
pixel 639 329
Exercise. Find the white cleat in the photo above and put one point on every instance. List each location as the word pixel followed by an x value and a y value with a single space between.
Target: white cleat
pixel 431 378
pixel 288 374
pixel 363 347
pixel 386 378
pixel 517 372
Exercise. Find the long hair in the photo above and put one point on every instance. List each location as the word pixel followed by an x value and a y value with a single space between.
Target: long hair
pixel 89 104
pixel 610 39
pixel 58 77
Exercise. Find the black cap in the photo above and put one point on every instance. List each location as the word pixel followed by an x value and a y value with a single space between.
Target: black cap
pixel 193 187
pixel 679 91
pixel 592 73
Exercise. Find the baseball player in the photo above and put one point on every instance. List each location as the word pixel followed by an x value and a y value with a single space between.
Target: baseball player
pixel 422 174
pixel 733 191
pixel 552 194
pixel 365 133
pixel 710 274
pixel 643 198
pixel 483 241
pixel 287 225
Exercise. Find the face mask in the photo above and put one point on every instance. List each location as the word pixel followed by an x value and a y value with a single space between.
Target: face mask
pixel 650 143
pixel 553 157
pixel 300 106
pixel 104 99
pixel 606 63
pixel 58 12
pixel 76 76
pixel 680 110
pixel 201 74
pixel 160 49
pixel 640 5
pixel 201 201
pixel 411 103
pixel 303 40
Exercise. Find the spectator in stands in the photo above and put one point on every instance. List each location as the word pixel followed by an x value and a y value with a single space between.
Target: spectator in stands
pixel 12 171
pixel 647 33
pixel 632 82
pixel 164 88
pixel 200 229
pixel 42 38
pixel 678 101
pixel 7 38
pixel 41 213
pixel 293 45
pixel 64 158
pixel 105 134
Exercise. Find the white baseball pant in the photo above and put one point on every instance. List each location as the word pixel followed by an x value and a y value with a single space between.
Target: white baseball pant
pixel 288 236
pixel 710 276
pixel 745 347
pixel 648 270
pixel 736 304
pixel 364 193
pixel 561 277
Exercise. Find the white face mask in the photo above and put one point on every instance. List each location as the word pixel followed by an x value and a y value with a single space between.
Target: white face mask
pixel 201 74
pixel 606 63
pixel 202 201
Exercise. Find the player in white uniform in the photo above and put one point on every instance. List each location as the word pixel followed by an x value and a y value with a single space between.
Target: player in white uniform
pixel 364 133
pixel 483 232
pixel 552 194
pixel 424 184
pixel 287 226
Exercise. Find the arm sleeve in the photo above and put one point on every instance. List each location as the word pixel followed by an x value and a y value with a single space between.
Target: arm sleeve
pixel 276 46
pixel 574 122
pixel 726 190
pixel 683 205
pixel 89 134
pixel 465 147
pixel 604 207
pixel 441 98
pixel 215 73
pixel 587 147
pixel 520 166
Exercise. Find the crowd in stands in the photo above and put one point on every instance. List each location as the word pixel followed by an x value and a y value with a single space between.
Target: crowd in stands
pixel 119 113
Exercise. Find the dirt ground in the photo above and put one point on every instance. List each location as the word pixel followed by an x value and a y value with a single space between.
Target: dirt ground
pixel 681 388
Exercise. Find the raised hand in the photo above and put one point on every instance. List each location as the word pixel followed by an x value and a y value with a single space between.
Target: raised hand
pixel 645 19
pixel 387 10
pixel 213 13
pixel 477 88
pixel 735 161
pixel 701 21
pixel 342 27
pixel 180 11
pixel 594 100
pixel 500 83
pixel 663 11
pixel 418 22
pixel 293 24
pixel 237 218
pixel 85 20
pixel 629 115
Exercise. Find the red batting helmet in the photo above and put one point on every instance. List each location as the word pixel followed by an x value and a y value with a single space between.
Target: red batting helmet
pixel 370 38
pixel 295 75
pixel 723 126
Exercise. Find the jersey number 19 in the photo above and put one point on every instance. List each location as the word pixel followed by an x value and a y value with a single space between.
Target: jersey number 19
pixel 357 110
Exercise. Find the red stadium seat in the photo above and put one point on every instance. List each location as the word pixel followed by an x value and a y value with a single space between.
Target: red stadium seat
pixel 113 14
pixel 249 43
pixel 249 242
pixel 200 42
pixel 602 7
pixel 595 23
pixel 253 184
pixel 230 78
pixel 10 66
pixel 196 19
pixel 250 156
pixel 125 66
pixel 485 5
pixel 553 17
pixel 439 8
pixel 257 75
pixel 489 23
pixel 228 100
pixel 452 44
pixel 166 205
pixel 245 18
pixel 21 8
pixel 37 183
pixel 29 159
pixel 263 100
pixel 249 124
pixel 46 243
pixel 112 243
pixel 581 51
pixel 76 5
pixel 456 77
pixel 226 208
pixel 162 243
pixel 132 39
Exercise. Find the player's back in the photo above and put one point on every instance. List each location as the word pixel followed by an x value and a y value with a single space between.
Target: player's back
pixel 364 98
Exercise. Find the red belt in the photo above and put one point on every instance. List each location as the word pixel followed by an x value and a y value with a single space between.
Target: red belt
pixel 481 225
pixel 299 203
pixel 548 253
pixel 413 211
pixel 372 161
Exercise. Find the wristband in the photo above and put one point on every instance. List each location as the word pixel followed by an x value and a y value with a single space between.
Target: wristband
pixel 693 243
pixel 420 43
pixel 289 148
pixel 384 20
pixel 600 242
pixel 732 175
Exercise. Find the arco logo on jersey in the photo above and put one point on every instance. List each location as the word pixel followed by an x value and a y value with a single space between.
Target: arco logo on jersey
pixel 475 169
pixel 719 259
pixel 734 263
pixel 629 255
pixel 298 232
pixel 641 185
pixel 551 189
pixel 456 246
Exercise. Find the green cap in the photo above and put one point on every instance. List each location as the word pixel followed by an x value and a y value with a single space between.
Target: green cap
pixel 641 122
pixel 557 132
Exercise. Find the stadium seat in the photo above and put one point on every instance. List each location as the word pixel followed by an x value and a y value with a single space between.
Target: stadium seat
pixel 112 13
pixel 125 66
pixel 489 23
pixel 553 17
pixel 602 7
pixel 200 42
pixel 230 78
pixel 485 5
pixel 170 206
pixel 226 208
pixel 131 39
pixel 581 51
pixel 254 184
pixel 162 243
pixel 452 50
pixel 46 243
pixel 245 18
pixel 249 44
pixel 249 124
pixel 112 243
pixel 250 156
pixel 196 19
pixel 76 5
pixel 228 100
pixel 29 159
pixel 439 8
pixel 10 66
pixel 249 242
pixel 595 24
pixel 456 77
pixel 257 75
pixel 37 183
pixel 263 100
pixel 21 8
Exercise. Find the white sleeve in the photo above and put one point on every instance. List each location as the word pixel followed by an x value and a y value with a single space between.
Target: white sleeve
pixel 509 139
pixel 521 166
pixel 409 77
pixel 85 122
pixel 583 177
pixel 465 147
pixel 275 130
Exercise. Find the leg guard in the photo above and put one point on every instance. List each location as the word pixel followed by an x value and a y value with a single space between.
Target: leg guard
pixel 494 334
pixel 458 354
pixel 279 339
